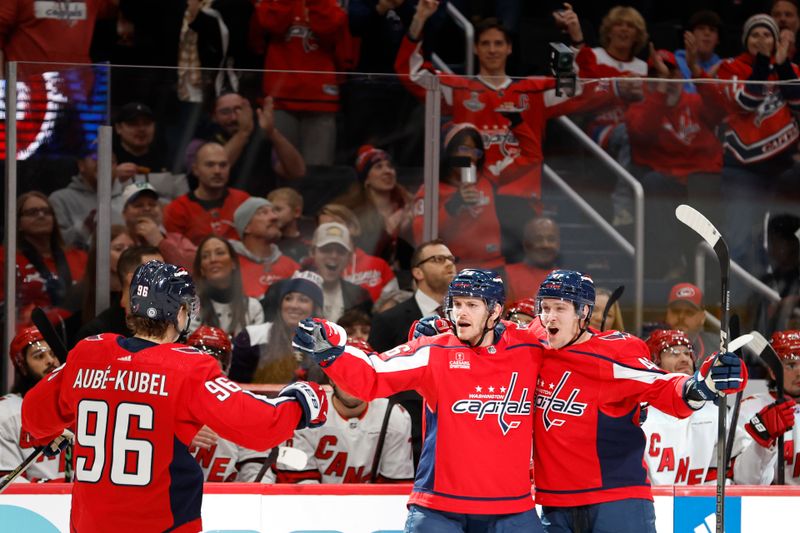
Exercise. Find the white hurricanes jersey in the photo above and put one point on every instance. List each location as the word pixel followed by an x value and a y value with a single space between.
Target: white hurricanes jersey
pixel 227 461
pixel 767 460
pixel 12 454
pixel 683 451
pixel 342 451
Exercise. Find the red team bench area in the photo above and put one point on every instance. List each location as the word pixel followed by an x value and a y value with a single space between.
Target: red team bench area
pixel 248 507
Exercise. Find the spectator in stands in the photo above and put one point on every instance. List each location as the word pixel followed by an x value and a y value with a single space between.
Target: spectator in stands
pixel 785 14
pixel 356 323
pixel 32 360
pixel 257 151
pixel 209 208
pixel 685 311
pixel 112 320
pixel 367 271
pixel 135 129
pixel 391 299
pixel 142 212
pixel 261 260
pixel 288 206
pixel 434 268
pixel 542 246
pixel 365 442
pixel 704 27
pixel 382 206
pixel 75 206
pixel 218 277
pixel 783 252
pixel 677 157
pixel 377 107
pixel 120 241
pixel 614 319
pixel 46 269
pixel 522 312
pixel 759 142
pixel 467 211
pixel 60 34
pixel 306 36
pixel 263 353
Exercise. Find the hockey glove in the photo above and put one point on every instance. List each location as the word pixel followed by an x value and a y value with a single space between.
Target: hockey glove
pixel 58 444
pixel 771 422
pixel 429 326
pixel 724 373
pixel 323 341
pixel 313 402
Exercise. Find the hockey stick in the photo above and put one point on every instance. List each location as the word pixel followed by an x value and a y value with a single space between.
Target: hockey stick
pixel 706 230
pixel 734 329
pixel 610 303
pixel 767 354
pixel 287 456
pixel 32 458
pixel 45 327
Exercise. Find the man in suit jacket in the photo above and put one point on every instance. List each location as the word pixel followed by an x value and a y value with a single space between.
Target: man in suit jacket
pixel 433 267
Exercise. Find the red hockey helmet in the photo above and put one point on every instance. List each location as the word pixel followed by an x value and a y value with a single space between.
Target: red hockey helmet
pixel 360 344
pixel 214 342
pixel 787 344
pixel 26 337
pixel 526 306
pixel 661 339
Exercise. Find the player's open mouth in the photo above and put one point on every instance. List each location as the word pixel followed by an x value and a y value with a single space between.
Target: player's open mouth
pixel 552 331
pixel 463 324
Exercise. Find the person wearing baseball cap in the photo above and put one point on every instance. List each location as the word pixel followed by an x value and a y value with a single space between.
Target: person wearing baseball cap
pixel 261 261
pixel 32 360
pixel 685 312
pixel 135 132
pixel 703 30
pixel 142 212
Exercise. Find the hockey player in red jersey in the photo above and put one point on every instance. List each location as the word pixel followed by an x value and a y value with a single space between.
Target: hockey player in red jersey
pixel 138 401
pixel 477 383
pixel 590 474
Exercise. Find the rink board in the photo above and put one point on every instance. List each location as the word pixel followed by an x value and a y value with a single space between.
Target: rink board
pixel 247 508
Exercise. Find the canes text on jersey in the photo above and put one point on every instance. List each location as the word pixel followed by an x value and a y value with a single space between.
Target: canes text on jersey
pixel 121 380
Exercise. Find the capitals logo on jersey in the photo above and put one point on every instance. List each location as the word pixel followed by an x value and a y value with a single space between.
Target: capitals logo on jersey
pixel 553 402
pixel 491 400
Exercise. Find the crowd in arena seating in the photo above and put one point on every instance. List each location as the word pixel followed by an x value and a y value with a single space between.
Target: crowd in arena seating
pixel 295 191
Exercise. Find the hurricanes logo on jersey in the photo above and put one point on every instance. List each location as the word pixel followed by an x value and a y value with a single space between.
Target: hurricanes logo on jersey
pixel 485 401
pixel 548 400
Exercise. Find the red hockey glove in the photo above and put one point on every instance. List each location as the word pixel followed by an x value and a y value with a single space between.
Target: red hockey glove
pixel 324 341
pixel 429 326
pixel 771 422
pixel 312 400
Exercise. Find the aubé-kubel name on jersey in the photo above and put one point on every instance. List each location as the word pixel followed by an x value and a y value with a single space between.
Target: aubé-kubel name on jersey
pixel 121 380
pixel 496 404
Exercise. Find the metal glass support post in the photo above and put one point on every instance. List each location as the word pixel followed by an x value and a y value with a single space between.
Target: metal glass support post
pixel 9 238
pixel 430 202
pixel 103 234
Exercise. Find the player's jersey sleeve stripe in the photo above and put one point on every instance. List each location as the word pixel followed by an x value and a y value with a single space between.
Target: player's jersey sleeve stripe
pixel 418 359
pixel 654 370
pixel 637 374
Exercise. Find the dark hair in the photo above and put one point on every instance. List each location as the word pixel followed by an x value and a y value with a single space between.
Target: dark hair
pixel 446 163
pixel 354 317
pixel 415 257
pixel 235 293
pixel 142 325
pixel 706 17
pixel 491 23
pixel 131 258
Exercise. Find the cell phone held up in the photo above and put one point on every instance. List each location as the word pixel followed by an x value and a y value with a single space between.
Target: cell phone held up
pixel 467 170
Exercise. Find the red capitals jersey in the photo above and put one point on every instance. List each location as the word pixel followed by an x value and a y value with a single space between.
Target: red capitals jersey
pixel 513 159
pixel 477 449
pixel 258 277
pixel 472 232
pixel 370 273
pixel 136 406
pixel 678 139
pixel 187 216
pixel 310 37
pixel 761 122
pixel 589 447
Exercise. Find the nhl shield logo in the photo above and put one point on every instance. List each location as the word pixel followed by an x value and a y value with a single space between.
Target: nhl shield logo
pixel 459 360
